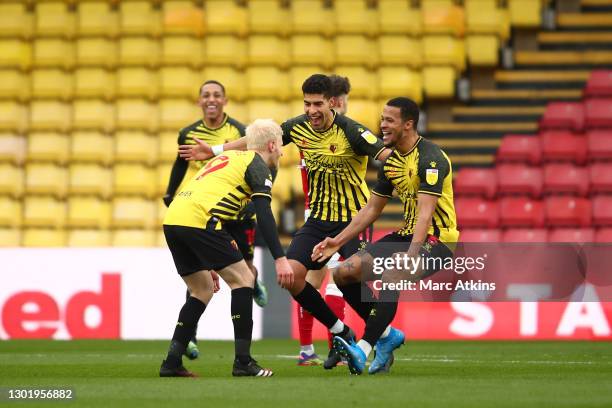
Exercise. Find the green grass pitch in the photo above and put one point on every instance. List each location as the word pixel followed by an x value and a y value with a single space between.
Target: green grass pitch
pixel 426 374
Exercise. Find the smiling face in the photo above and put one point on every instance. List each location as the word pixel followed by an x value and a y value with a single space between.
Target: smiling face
pixel 392 125
pixel 212 100
pixel 318 109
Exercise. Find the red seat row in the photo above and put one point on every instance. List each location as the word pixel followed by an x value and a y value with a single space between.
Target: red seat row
pixel 551 146
pixel 537 235
pixel 599 84
pixel 594 113
pixel 556 211
pixel 520 179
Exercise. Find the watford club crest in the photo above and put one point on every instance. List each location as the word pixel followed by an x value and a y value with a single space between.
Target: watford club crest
pixel 333 147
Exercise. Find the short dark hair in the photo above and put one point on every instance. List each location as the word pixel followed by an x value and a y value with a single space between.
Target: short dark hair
pixel 339 85
pixel 212 81
pixel 317 84
pixel 409 110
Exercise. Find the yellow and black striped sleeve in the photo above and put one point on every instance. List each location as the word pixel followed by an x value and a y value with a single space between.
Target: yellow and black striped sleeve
pixel 288 125
pixel 362 140
pixel 259 178
pixel 383 186
pixel 433 168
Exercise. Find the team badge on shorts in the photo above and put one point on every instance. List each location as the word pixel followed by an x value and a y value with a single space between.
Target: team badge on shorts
pixel 234 244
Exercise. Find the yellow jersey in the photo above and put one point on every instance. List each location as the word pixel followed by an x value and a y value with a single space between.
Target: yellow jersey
pixel 424 169
pixel 336 161
pixel 220 191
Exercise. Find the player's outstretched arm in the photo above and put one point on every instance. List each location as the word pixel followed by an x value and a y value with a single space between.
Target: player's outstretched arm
pixel 382 156
pixel 179 168
pixel 267 224
pixel 203 151
pixel 366 216
pixel 425 209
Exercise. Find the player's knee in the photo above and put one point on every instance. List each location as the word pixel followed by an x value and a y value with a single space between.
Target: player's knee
pixel 315 278
pixel 202 294
pixel 248 280
pixel 253 270
pixel 346 273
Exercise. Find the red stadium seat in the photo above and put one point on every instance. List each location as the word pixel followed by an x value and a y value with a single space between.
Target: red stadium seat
pixel 565 178
pixel 519 148
pixel 563 115
pixel 564 211
pixel 599 144
pixel 519 179
pixel 598 113
pixel 525 235
pixel 479 235
pixel 602 211
pixel 600 175
pixel 476 213
pixel 475 181
pixel 599 83
pixel 563 146
pixel 520 212
pixel 603 235
pixel 571 235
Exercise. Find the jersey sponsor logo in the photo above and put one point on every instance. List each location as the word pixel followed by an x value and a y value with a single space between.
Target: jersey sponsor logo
pixel 431 176
pixel 312 163
pixel 369 137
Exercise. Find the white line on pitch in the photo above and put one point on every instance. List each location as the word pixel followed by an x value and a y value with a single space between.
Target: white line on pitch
pixel 453 360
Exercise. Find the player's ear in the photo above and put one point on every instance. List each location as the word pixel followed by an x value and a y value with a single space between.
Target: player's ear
pixel 409 124
pixel 333 102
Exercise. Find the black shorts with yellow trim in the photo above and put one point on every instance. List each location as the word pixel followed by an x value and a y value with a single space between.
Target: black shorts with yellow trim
pixel 315 231
pixel 243 232
pixel 196 249
pixel 396 242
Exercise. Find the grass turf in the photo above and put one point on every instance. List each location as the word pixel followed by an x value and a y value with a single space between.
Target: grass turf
pixel 425 374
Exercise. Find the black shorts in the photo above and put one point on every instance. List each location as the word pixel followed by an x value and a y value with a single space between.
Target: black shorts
pixel 196 249
pixel 394 242
pixel 315 231
pixel 243 232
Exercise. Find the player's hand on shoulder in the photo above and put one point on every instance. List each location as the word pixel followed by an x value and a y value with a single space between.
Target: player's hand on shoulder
pixel 324 249
pixel 198 151
pixel 284 273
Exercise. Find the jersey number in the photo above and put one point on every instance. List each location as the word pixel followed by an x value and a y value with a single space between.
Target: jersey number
pixel 215 164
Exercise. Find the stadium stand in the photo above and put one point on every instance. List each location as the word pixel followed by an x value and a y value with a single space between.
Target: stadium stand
pixel 86 85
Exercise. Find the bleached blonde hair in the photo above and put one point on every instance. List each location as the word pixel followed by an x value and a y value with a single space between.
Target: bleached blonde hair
pixel 260 132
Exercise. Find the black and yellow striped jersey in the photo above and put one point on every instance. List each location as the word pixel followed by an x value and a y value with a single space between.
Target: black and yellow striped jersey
pixel 336 161
pixel 229 130
pixel 424 169
pixel 220 190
